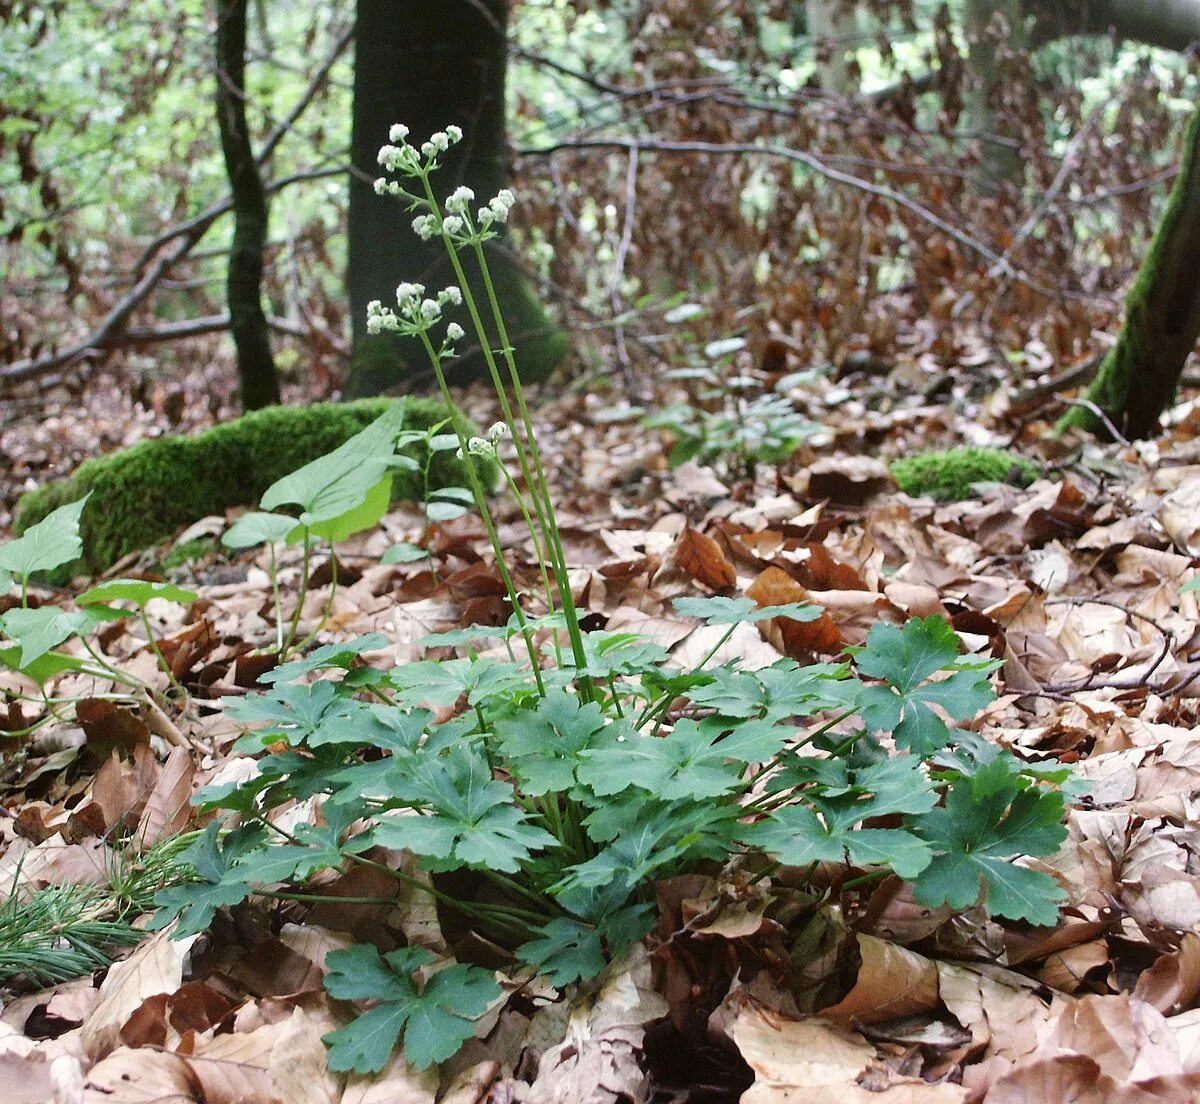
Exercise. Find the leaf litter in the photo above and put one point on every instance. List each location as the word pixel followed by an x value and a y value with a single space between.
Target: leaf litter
pixel 1077 586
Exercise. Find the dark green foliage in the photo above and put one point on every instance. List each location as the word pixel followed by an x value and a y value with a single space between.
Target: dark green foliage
pixel 950 475
pixel 144 494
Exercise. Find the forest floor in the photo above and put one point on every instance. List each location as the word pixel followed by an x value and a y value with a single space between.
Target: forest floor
pixel 1074 583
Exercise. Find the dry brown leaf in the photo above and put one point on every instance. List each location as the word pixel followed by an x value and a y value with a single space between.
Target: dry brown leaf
pixel 396 1083
pixel 1172 984
pixel 155 967
pixel 168 808
pixel 892 982
pixel 142 1077
pixel 701 557
pixel 599 1061
pixel 775 587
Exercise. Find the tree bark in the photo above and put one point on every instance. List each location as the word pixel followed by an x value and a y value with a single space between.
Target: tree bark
pixel 831 25
pixel 1138 377
pixel 427 64
pixel 995 28
pixel 1171 24
pixel 259 383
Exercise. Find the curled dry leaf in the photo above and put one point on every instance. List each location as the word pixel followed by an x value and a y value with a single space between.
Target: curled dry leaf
pixel 157 966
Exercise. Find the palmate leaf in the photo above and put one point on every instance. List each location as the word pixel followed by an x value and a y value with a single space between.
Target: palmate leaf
pixel 544 745
pixel 341 654
pixel 430 682
pixel 217 886
pixel 433 1021
pixel 785 689
pixel 824 825
pixel 695 760
pixel 653 837
pixel 987 820
pixel 905 658
pixel 470 819
pixel 293 712
pixel 564 951
pixel 797 836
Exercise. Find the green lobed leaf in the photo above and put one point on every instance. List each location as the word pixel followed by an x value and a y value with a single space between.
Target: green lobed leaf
pixel 433 1020
pixel 987 820
pixel 565 950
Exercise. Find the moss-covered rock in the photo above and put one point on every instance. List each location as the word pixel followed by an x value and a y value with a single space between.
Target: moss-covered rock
pixel 950 475
pixel 144 494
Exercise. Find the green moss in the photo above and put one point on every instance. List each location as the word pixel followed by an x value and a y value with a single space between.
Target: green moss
pixel 189 552
pixel 950 475
pixel 144 494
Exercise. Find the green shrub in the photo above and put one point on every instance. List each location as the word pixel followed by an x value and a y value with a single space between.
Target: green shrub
pixel 950 475
pixel 142 495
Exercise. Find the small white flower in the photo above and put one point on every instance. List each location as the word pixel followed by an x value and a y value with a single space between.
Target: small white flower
pixel 497 431
pixel 406 293
pixel 457 201
pixel 398 133
pixel 386 155
pixel 451 294
pixel 452 225
pixel 454 133
pixel 454 332
pixel 430 311
pixel 424 226
pixel 440 141
pixel 428 150
pixel 477 446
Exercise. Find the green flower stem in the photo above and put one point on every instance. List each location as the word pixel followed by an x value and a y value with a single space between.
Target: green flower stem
pixel 488 523
pixel 162 660
pixel 305 573
pixel 656 709
pixel 538 551
pixel 277 598
pixel 111 672
pixel 549 530
pixel 540 489
pixel 328 610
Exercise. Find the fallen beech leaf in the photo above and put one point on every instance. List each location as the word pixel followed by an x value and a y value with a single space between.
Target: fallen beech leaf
pixel 141 1077
pixel 1173 982
pixel 892 982
pixel 396 1083
pixel 156 966
pixel 701 557
pixel 168 807
pixel 775 587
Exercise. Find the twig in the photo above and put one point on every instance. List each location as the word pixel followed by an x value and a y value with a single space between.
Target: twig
pixel 184 238
pixel 1114 684
pixel 1087 404
pixel 822 168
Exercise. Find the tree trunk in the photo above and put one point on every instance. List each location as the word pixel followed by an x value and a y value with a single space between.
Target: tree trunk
pixel 427 64
pixel 1138 377
pixel 248 323
pixel 995 29
pixel 831 25
pixel 1171 24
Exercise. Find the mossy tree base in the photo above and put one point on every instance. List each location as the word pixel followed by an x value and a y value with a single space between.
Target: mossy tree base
pixel 1138 377
pixel 144 494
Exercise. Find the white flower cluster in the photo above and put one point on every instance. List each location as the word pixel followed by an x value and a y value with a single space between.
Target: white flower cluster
pixel 496 210
pixel 401 157
pixel 414 313
pixel 486 446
